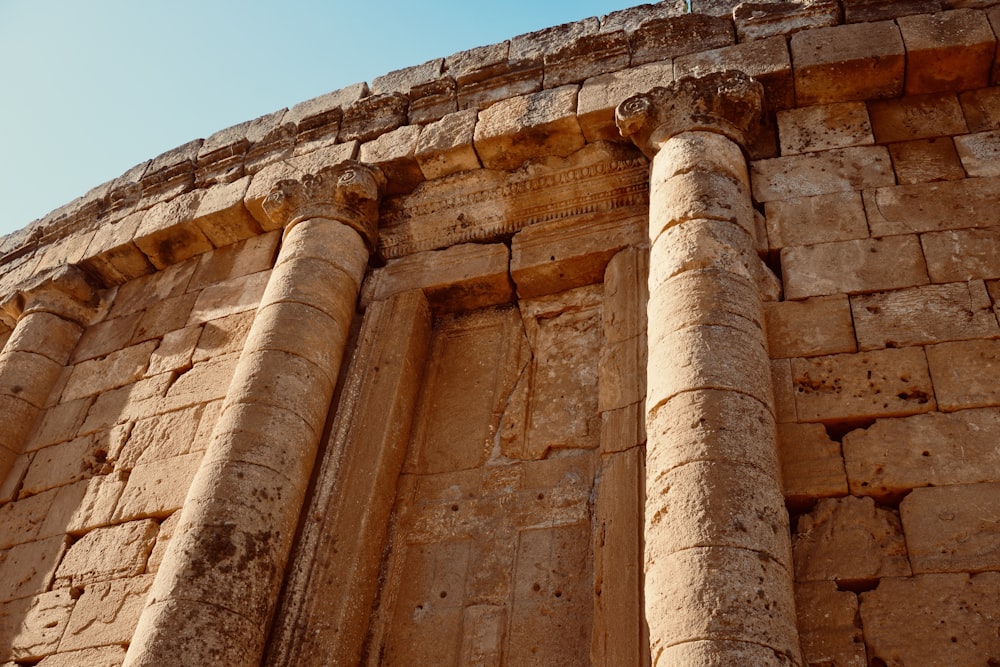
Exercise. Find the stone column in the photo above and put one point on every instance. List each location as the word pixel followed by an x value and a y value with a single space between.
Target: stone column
pixel 214 595
pixel 49 320
pixel 718 567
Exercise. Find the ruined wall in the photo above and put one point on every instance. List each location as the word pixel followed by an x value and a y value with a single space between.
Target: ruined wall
pixel 395 410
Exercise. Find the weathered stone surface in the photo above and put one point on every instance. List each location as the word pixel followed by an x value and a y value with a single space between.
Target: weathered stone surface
pixel 232 261
pixel 784 391
pixel 926 160
pixel 813 327
pixel 107 553
pixel 962 373
pixel 962 255
pixel 223 336
pixel 820 128
pixel 31 627
pixel 848 62
pixel 803 221
pixel 115 370
pixel 446 146
pixel 60 464
pixel 393 153
pixel 229 297
pixel 27 569
pixel 849 540
pixel 952 528
pixel 862 11
pixel 158 488
pixel 372 116
pixel 174 351
pixel 60 424
pixel 94 502
pixel 933 619
pixel 917 117
pixel 828 625
pixel 982 109
pixel 586 55
pixel 146 291
pixel 880 383
pixel 133 401
pixel 760 20
pixel 665 38
pixel 950 50
pixel 600 95
pixel 766 60
pixel 810 174
pixel 105 656
pixel 980 153
pixel 905 209
pixel 106 613
pixel 811 463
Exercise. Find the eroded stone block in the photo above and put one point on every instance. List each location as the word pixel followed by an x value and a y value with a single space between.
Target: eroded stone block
pixel 158 488
pixel 446 146
pixel 116 552
pixel 917 117
pixel 963 373
pixel 828 627
pixel 953 528
pixel 766 60
pixel 982 109
pixel 600 95
pixel 811 463
pixel 115 370
pixel 760 20
pixel 664 38
pixel 823 127
pixel 30 628
pixel 809 328
pixel 906 209
pixel 950 50
pixel 27 569
pixel 926 160
pixel 810 174
pixel 980 153
pixel 106 613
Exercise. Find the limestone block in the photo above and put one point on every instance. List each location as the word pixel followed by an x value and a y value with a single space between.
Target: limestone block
pixel 146 291
pixel 852 267
pixel 849 540
pixel 838 170
pixel 839 216
pixel 95 500
pixel 702 244
pixel 926 160
pixel 828 627
pixel 14 466
pixel 820 128
pixel 60 424
pixel 313 283
pixel 962 255
pixel 158 488
pixel 811 463
pixel 222 216
pixel 206 381
pixel 950 50
pixel 922 315
pixel 861 11
pixel 174 352
pixel 600 95
pixel 22 416
pixel 105 656
pixel 393 152
pixel 446 146
pixel 664 38
pixel 848 62
pixel 60 464
pixel 809 328
pixel 403 80
pixel 485 75
pixel 881 383
pixel 962 373
pixel 706 297
pixel 167 234
pixel 164 317
pixel 133 401
pixel 433 100
pixel 320 112
pixel 982 109
pixel 372 116
pixel 626 292
pixel 22 520
pixel 106 613
pixel 27 569
pixel 895 455
pixel 163 536
pixel 544 123
pixel 760 20
pixel 766 60
pixel 116 552
pixel 161 437
pixel 699 194
pixel 952 528
pixel 169 174
pixel 686 600
pixel 586 56
pixel 559 255
pixel 103 338
pixel 31 627
pixel 994 17
pixel 784 391
pixel 917 117
pixel 623 428
pixel 980 153
pixel 235 295
pixel 929 207
pixel 69 250
pixel 223 336
pixel 118 369
pixel 44 334
pixel 932 619
pixel 287 380
pixel 463 277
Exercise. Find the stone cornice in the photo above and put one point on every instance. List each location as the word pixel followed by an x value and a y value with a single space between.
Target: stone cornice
pixel 64 291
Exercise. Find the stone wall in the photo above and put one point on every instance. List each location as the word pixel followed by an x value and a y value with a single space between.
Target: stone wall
pixel 442 369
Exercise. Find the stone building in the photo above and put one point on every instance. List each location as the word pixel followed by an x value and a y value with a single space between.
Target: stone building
pixel 662 338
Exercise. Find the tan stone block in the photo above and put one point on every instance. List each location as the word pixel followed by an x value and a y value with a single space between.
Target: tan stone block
pixel 21 417
pixel 918 117
pixel 662 38
pixel 813 327
pixel 312 282
pixel 103 338
pixel 106 613
pixel 116 370
pixel 626 292
pixel 706 297
pixel 253 255
pixel 784 391
pixel 848 62
pixel 950 50
pixel 230 296
pixel 687 599
pixel 334 243
pixel 702 244
pixel 820 128
pixel 982 109
pixel 12 469
pixel 113 256
pixel 20 521
pixel 167 528
pixel 95 501
pixel 31 627
pixel 962 373
pixel 174 352
pixel 167 234
pixel 146 291
pixel 698 151
pixel 881 383
pixel 760 20
pixel 965 254
pixel 27 569
pixel 161 437
pixel 372 116
pixel 133 401
pixel 585 56
pixel 105 656
pixel 158 488
pixel 600 95
pixel 906 209
pixel 980 153
pixel 952 528
pixel 519 128
pixel 837 170
pixel 811 464
pixel 828 625
pixel 223 336
pixel 849 540
pixel 206 381
pixel 699 194
pixel 861 11
pixel 864 265
pixel 445 147
pixel 463 277
pixel 623 428
pixel 926 160
pixel 116 552
pixel 28 376
pixel 221 215
pixel 46 334
pixel 59 423
pixel 288 381
pixel 767 60
pixel 166 316
pixel 921 315
pixel 933 619
pixel 60 464
pixel 393 152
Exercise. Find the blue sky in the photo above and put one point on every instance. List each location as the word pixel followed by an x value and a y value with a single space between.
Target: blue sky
pixel 89 88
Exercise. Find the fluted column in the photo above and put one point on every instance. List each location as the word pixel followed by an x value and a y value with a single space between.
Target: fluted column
pixel 213 597
pixel 49 321
pixel 718 570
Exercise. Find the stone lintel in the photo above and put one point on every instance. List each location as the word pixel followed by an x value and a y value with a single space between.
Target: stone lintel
pixel 728 103
pixel 347 192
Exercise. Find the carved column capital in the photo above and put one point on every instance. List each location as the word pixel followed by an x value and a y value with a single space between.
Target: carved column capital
pixel 347 192
pixel 64 291
pixel 728 103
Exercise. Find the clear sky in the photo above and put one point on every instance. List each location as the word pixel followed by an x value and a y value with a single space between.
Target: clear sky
pixel 89 88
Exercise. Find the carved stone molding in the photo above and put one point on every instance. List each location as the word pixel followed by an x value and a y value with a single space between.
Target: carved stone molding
pixel 347 192
pixel 64 291
pixel 729 103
